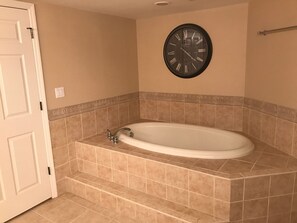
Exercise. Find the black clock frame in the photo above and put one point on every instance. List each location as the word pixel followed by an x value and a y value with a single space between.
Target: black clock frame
pixel 200 30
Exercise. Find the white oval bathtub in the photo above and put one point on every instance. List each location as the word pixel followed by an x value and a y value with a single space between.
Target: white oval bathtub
pixel 187 140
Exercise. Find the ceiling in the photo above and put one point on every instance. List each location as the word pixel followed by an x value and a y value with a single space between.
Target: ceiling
pixel 137 9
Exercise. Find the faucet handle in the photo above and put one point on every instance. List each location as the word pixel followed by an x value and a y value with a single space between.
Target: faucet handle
pixel 115 139
pixel 108 134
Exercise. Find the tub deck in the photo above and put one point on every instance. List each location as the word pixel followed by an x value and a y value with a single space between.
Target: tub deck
pixel 228 189
pixel 264 160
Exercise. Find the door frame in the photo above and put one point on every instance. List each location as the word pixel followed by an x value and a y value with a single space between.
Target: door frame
pixel 39 71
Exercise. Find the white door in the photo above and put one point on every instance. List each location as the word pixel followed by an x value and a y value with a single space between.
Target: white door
pixel 24 178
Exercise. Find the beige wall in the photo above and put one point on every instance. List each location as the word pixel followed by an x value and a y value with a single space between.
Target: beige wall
pixel 95 56
pixel 227 27
pixel 92 55
pixel 272 59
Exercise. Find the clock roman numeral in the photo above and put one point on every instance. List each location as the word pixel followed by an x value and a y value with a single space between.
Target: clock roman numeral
pixel 194 66
pixel 199 41
pixel 201 50
pixel 172 44
pixel 186 69
pixel 173 61
pixel 185 34
pixel 177 37
pixel 199 59
pixel 193 36
pixel 178 66
pixel 171 53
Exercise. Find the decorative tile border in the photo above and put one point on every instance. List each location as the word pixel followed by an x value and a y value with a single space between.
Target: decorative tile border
pixel 64 112
pixel 193 98
pixel 279 111
pixel 289 114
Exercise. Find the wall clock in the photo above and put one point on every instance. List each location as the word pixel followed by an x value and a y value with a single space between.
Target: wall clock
pixel 187 50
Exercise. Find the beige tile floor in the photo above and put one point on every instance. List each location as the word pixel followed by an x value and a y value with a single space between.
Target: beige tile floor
pixel 69 208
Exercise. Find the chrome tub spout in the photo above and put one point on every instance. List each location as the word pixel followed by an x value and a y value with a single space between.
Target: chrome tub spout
pixel 114 137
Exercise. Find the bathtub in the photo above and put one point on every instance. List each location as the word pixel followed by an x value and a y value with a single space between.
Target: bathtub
pixel 187 140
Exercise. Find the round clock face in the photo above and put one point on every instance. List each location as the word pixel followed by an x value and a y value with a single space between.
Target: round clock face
pixel 187 50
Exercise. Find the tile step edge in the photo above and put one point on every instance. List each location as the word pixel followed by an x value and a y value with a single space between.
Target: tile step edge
pixel 180 216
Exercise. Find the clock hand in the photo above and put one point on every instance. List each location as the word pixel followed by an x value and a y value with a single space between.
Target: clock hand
pixel 188 54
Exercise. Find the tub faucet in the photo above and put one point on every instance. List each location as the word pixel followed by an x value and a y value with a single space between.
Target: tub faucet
pixel 114 137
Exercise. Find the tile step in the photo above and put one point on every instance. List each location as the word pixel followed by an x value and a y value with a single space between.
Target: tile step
pixel 133 204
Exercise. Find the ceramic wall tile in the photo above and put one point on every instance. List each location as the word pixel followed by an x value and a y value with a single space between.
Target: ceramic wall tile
pixel 224 117
pixel 284 136
pixel 58 133
pixel 177 112
pixel 101 120
pixel 163 111
pixel 74 128
pixel 89 127
pixel 268 129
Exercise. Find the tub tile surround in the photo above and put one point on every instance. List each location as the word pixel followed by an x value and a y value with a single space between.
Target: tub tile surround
pixel 273 124
pixel 77 122
pixel 223 112
pixel 225 190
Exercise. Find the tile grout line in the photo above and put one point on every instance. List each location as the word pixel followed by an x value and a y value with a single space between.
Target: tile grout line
pixel 87 208
pixel 213 197
pixel 268 196
pixel 261 126
pixel 233 117
pixel 43 216
pixel 292 202
pixel 184 115
pixel 293 139
pixel 146 179
pixel 255 163
pixel 96 124
pixel 243 199
pixel 68 153
pixel 249 122
pixel 268 202
pixel 215 115
pixel 166 183
pixel 85 211
pixel 188 189
pixel 81 125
